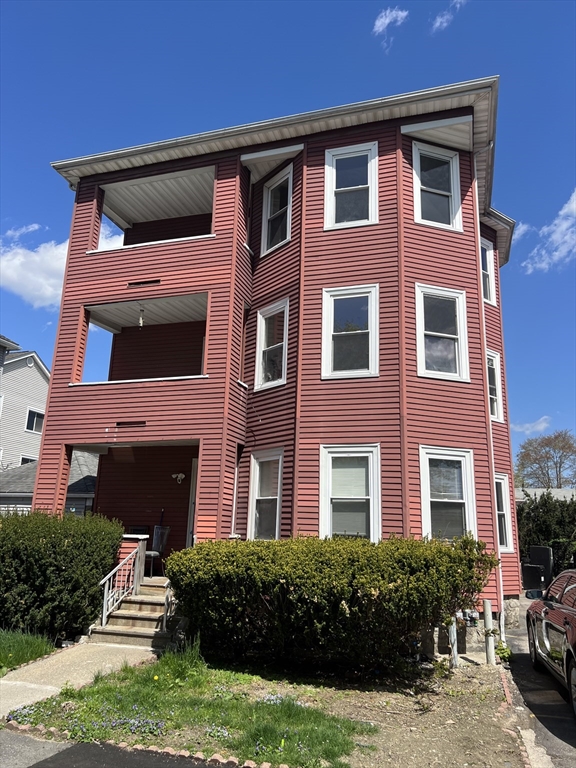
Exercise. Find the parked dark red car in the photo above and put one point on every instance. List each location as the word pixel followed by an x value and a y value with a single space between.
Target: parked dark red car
pixel 551 623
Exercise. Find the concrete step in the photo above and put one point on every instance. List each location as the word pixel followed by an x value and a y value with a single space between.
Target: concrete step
pixel 146 603
pixel 147 638
pixel 157 585
pixel 133 619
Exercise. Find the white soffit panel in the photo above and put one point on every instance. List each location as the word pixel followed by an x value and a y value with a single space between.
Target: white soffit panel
pixel 261 164
pixel 455 132
pixel 126 314
pixel 160 197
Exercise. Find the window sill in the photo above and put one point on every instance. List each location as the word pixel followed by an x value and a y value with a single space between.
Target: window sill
pixel 275 248
pixel 490 303
pixel 272 385
pixel 437 225
pixel 349 225
pixel 497 420
pixel 349 375
pixel 32 432
pixel 136 381
pixel 443 377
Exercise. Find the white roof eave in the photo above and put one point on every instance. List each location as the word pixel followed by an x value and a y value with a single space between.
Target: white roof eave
pixel 290 126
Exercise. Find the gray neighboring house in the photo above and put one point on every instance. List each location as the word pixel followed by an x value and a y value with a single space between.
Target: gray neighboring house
pixel 561 494
pixel 17 485
pixel 24 380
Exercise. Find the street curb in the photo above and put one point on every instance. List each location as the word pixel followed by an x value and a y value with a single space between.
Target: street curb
pixel 215 760
pixel 517 735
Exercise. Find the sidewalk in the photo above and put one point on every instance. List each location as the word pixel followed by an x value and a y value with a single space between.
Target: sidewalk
pixel 75 666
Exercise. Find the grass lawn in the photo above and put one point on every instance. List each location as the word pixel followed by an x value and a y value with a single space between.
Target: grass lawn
pixel 17 648
pixel 180 702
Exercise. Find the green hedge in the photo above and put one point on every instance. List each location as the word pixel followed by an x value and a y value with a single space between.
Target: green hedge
pixel 310 600
pixel 50 568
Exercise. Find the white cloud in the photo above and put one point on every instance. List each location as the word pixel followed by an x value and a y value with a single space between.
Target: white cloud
pixel 520 230
pixel 557 245
pixel 446 18
pixel 15 234
pixel 110 238
pixel 386 18
pixel 536 426
pixel 35 274
pixel 442 21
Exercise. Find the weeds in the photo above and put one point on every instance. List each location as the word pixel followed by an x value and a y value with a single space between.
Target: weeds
pixel 17 648
pixel 201 708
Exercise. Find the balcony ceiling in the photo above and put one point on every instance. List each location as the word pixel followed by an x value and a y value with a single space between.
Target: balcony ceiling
pixel 126 314
pixel 159 197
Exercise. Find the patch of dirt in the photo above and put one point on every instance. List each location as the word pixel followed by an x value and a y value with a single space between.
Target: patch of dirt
pixel 461 720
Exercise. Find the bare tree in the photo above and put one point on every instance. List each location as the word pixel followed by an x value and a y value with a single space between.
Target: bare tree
pixel 547 462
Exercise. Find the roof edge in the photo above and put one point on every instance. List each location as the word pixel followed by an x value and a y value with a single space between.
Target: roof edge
pixel 504 227
pixel 24 354
pixel 428 94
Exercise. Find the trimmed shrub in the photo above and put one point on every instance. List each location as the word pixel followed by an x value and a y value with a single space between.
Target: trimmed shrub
pixel 50 570
pixel 309 600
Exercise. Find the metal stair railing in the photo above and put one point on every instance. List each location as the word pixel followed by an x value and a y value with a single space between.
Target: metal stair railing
pixel 125 579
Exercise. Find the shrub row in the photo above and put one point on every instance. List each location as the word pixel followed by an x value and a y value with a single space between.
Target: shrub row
pixel 344 601
pixel 50 570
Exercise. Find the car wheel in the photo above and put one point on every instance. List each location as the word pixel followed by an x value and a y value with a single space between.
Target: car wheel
pixel 536 663
pixel 572 685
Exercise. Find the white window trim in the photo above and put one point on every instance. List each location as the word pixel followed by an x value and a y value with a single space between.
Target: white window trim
pixel 33 431
pixel 499 478
pixel 285 173
pixel 456 454
pixel 273 309
pixel 455 202
pixel 463 363
pixel 370 149
pixel 498 371
pixel 30 458
pixel 491 266
pixel 255 459
pixel 372 450
pixel 328 296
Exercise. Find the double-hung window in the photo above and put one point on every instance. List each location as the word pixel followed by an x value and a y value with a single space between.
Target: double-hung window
pixel 487 269
pixel 351 186
pixel 265 494
pixel 447 488
pixel 494 386
pixel 277 210
pixel 436 187
pixel 34 421
pixel 442 337
pixel 350 491
pixel 272 343
pixel 503 516
pixel 350 332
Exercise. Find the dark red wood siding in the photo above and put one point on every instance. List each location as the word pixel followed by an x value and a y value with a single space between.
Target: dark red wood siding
pixel 136 486
pixel 155 351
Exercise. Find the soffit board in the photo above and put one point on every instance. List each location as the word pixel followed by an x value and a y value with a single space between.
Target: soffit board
pixel 126 314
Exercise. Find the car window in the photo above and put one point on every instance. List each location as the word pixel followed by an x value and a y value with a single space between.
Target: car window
pixel 555 589
pixel 569 596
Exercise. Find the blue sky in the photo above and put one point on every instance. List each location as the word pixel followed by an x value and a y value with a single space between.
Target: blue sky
pixel 87 76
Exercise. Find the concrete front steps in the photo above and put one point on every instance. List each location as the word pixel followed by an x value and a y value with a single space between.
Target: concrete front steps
pixel 138 618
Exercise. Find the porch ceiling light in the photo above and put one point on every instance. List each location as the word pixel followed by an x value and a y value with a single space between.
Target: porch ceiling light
pixel 179 476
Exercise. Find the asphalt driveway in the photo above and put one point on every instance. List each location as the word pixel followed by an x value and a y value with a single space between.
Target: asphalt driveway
pixel 547 700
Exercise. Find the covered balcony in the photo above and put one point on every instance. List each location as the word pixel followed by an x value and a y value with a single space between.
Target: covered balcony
pixel 147 339
pixel 171 206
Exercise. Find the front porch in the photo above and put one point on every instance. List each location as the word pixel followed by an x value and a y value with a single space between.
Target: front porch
pixel 145 486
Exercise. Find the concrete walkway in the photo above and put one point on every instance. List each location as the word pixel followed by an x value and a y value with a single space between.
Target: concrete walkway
pixel 75 666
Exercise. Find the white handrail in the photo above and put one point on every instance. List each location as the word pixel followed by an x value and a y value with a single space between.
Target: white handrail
pixel 124 579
